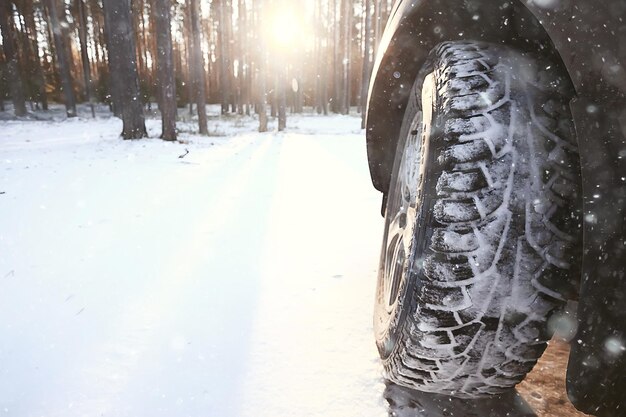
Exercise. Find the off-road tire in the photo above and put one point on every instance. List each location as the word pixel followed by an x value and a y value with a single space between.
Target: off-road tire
pixel 489 146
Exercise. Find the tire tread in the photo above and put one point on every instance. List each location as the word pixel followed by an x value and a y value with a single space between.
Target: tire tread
pixel 507 227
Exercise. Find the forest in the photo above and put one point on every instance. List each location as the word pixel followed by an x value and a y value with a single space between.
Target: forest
pixel 262 57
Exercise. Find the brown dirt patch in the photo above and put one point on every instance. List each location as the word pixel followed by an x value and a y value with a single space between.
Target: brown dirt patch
pixel 544 387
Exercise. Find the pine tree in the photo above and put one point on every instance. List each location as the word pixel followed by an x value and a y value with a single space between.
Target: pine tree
pixel 82 35
pixel 198 66
pixel 165 68
pixel 37 81
pixel 123 67
pixel 10 52
pixel 63 60
pixel 366 61
pixel 261 75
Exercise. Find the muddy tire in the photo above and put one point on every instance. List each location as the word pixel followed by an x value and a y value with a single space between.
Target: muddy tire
pixel 483 222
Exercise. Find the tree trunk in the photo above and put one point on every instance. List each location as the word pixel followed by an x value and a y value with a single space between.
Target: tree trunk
pixel 25 55
pixel 12 68
pixel 212 67
pixel 145 75
pixel 366 61
pixel 317 18
pixel 377 25
pixel 337 106
pixel 123 62
pixel 224 50
pixel 242 63
pixel 281 100
pixel 2 83
pixel 54 74
pixel 154 52
pixel 63 61
pixel 262 98
pixel 39 80
pixel 189 58
pixel 82 34
pixel 198 63
pixel 229 55
pixel 114 72
pixel 96 40
pixel 347 42
pixel 261 70
pixel 165 68
pixel 325 66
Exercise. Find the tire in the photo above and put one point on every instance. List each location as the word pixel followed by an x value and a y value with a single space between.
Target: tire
pixel 483 222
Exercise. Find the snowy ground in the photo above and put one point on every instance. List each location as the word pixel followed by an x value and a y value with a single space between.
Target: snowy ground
pixel 236 281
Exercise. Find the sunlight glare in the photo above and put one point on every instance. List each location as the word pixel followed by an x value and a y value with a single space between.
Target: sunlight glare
pixel 285 28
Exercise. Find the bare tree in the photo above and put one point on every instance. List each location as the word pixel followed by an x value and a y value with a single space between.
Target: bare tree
pixel 377 24
pixel 123 64
pixel 82 35
pixel 218 53
pixel 366 60
pixel 113 72
pixel 281 99
pixel 337 104
pixel 241 57
pixel 10 53
pixel 35 71
pixel 261 70
pixel 2 82
pixel 347 42
pixel 165 68
pixel 198 64
pixel 225 54
pixel 63 60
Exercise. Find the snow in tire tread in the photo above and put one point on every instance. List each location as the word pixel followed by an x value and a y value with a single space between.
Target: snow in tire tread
pixel 507 227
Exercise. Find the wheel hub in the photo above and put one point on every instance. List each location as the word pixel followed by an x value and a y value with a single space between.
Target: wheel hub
pixel 400 224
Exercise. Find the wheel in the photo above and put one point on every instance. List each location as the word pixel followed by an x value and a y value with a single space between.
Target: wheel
pixel 482 224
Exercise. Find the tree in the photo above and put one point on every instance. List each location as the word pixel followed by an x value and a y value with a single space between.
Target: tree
pixel 35 70
pixel 82 34
pixel 10 52
pixel 62 58
pixel 337 105
pixel 280 98
pixel 224 49
pixel 225 55
pixel 198 66
pixel 123 67
pixel 261 75
pixel 321 60
pixel 366 60
pixel 2 82
pixel 262 110
pixel 347 42
pixel 165 68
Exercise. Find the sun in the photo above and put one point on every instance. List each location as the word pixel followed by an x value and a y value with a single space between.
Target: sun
pixel 286 28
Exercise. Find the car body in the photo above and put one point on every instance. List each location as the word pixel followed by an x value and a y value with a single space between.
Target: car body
pixel 587 38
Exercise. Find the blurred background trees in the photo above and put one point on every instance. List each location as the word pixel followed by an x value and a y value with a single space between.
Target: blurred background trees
pixel 250 56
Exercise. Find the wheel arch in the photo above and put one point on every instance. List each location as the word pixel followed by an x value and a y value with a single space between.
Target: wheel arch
pixel 413 30
pixel 583 37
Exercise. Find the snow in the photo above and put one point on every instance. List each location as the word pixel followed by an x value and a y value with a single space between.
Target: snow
pixel 237 280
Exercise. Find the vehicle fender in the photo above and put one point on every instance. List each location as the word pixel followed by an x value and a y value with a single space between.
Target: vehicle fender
pixel 576 34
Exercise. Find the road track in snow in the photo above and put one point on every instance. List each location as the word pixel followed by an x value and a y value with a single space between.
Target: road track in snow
pixel 233 282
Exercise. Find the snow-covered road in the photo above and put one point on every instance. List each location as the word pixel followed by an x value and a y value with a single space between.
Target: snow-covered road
pixel 236 281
